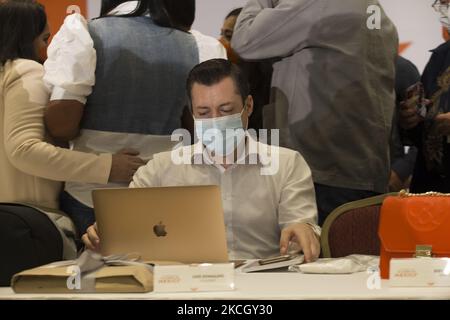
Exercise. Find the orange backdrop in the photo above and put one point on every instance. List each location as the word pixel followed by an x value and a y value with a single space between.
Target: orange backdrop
pixel 57 11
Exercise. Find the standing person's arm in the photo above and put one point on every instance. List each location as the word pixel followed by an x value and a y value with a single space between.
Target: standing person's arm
pixel 407 75
pixel 25 99
pixel 402 170
pixel 63 119
pixel 70 74
pixel 270 28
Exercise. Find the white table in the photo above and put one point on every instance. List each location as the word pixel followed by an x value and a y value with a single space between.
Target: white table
pixel 272 286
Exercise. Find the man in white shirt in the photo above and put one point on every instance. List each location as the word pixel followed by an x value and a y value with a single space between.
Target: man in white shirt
pixel 265 210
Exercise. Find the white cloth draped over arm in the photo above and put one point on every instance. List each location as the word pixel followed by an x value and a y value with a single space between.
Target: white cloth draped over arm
pixel 71 64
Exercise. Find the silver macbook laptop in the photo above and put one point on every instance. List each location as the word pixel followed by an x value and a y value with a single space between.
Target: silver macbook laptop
pixel 178 224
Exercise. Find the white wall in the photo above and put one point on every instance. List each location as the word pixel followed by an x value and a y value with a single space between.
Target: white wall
pixel 418 23
pixel 211 13
pixel 415 19
pixel 93 8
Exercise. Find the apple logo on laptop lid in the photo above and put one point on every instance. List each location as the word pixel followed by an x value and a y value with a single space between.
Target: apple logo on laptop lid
pixel 160 230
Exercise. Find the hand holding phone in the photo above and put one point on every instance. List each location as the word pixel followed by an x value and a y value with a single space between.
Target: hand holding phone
pixel 415 95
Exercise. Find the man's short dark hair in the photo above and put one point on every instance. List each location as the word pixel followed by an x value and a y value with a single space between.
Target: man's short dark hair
pixel 213 71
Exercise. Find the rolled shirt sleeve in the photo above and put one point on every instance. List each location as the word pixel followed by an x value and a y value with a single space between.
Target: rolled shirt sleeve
pixel 298 199
pixel 71 64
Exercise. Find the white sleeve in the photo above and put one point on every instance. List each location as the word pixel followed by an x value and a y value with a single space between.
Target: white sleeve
pixel 147 176
pixel 298 200
pixel 72 59
pixel 209 47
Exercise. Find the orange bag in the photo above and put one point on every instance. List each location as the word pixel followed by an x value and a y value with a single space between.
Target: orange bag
pixel 408 221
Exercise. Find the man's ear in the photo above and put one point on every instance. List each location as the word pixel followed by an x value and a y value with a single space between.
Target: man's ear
pixel 249 105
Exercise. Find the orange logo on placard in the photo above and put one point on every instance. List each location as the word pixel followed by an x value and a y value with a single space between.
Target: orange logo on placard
pixel 169 279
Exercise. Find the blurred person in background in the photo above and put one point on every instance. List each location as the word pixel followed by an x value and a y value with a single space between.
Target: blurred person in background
pixel 403 158
pixel 226 33
pixel 332 89
pixel 430 130
pixel 259 73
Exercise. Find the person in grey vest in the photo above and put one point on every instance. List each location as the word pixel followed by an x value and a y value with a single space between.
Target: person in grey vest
pixel 332 88
pixel 135 97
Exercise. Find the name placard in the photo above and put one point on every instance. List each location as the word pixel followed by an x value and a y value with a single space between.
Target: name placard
pixel 420 272
pixel 194 278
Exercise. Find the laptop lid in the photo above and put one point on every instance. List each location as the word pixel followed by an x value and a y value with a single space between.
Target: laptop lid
pixel 180 224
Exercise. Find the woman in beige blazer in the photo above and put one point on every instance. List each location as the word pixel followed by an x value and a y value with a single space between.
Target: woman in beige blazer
pixel 31 168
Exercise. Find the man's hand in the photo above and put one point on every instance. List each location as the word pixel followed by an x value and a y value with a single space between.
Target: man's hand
pixel 409 118
pixel 395 183
pixel 91 239
pixel 443 124
pixel 124 165
pixel 306 239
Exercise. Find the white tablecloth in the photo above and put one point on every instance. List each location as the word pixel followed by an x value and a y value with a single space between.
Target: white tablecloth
pixel 274 286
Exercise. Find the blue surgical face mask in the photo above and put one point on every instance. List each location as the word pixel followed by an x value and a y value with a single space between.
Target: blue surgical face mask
pixel 221 136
